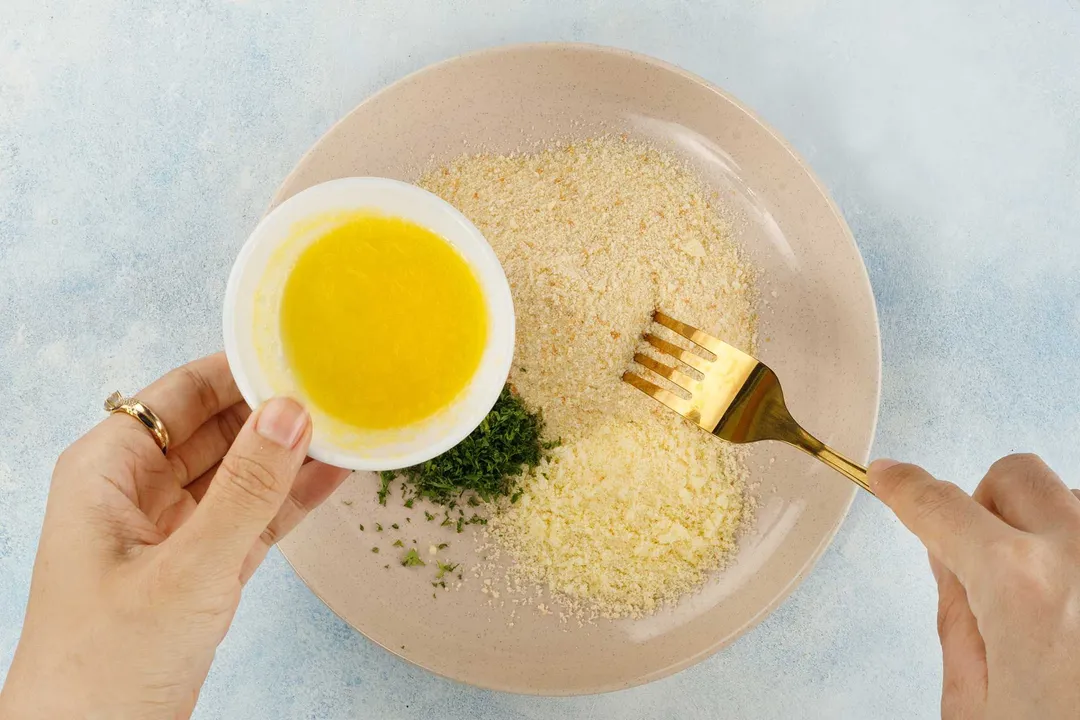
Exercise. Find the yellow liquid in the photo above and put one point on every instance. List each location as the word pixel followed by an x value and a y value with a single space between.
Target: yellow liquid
pixel 383 323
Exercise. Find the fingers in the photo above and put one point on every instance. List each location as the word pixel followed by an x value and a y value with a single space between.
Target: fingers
pixel 198 487
pixel 951 525
pixel 174 516
pixel 187 397
pixel 205 448
pixel 315 482
pixel 963 651
pixel 1027 494
pixel 249 487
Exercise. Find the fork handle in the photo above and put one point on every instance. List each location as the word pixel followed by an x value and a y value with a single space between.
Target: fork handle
pixel 851 470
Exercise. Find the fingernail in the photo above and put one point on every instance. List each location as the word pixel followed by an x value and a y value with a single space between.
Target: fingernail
pixel 878 466
pixel 282 422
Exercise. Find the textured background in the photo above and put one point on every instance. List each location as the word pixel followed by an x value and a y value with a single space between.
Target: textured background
pixel 140 141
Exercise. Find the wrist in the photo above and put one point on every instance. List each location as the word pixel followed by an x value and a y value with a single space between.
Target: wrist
pixel 31 695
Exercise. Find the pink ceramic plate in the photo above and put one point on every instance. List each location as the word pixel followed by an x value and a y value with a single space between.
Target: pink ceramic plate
pixel 823 342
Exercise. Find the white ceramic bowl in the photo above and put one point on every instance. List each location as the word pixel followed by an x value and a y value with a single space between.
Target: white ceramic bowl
pixel 252 319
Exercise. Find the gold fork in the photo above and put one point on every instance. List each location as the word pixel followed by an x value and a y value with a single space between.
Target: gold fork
pixel 738 398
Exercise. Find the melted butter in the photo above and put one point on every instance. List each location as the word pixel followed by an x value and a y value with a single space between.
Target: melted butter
pixel 383 323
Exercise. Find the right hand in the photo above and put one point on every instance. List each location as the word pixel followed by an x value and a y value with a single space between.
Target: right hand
pixel 1007 563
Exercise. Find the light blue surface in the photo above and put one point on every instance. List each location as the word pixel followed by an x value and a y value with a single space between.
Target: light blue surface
pixel 140 141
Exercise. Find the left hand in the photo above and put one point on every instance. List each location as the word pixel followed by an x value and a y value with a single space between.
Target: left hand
pixel 143 556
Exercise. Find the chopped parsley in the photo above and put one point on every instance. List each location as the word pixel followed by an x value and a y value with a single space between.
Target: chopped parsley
pixel 398 543
pixel 444 568
pixel 384 491
pixel 486 464
pixel 412 559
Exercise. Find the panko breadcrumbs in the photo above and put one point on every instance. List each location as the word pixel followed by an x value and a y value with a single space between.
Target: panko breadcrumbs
pixel 636 506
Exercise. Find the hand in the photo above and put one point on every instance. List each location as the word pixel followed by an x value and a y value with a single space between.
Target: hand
pixel 143 556
pixel 1007 563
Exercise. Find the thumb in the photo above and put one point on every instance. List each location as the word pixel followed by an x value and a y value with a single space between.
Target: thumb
pixel 252 482
pixel 952 526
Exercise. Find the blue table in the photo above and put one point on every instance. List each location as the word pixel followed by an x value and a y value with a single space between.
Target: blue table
pixel 141 141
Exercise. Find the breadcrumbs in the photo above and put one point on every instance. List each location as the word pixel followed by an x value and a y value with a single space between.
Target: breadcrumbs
pixel 636 506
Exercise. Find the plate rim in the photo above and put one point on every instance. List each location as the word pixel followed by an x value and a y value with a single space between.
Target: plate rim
pixel 866 286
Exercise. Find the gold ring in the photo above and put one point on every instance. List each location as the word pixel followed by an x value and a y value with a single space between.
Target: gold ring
pixel 118 403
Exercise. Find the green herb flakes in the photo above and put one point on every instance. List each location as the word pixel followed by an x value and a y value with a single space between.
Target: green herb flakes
pixel 486 464
pixel 385 477
pixel 412 559
pixel 445 568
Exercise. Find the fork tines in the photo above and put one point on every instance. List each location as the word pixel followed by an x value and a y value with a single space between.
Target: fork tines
pixel 703 340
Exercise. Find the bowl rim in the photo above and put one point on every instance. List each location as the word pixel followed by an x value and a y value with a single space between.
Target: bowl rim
pixel 865 285
pixel 485 385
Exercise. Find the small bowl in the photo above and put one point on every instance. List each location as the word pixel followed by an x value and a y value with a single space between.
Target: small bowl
pixel 252 319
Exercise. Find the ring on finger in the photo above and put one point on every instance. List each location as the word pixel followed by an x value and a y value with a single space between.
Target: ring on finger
pixel 132 406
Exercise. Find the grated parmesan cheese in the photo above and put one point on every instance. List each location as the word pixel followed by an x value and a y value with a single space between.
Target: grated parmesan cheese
pixel 618 534
pixel 636 506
